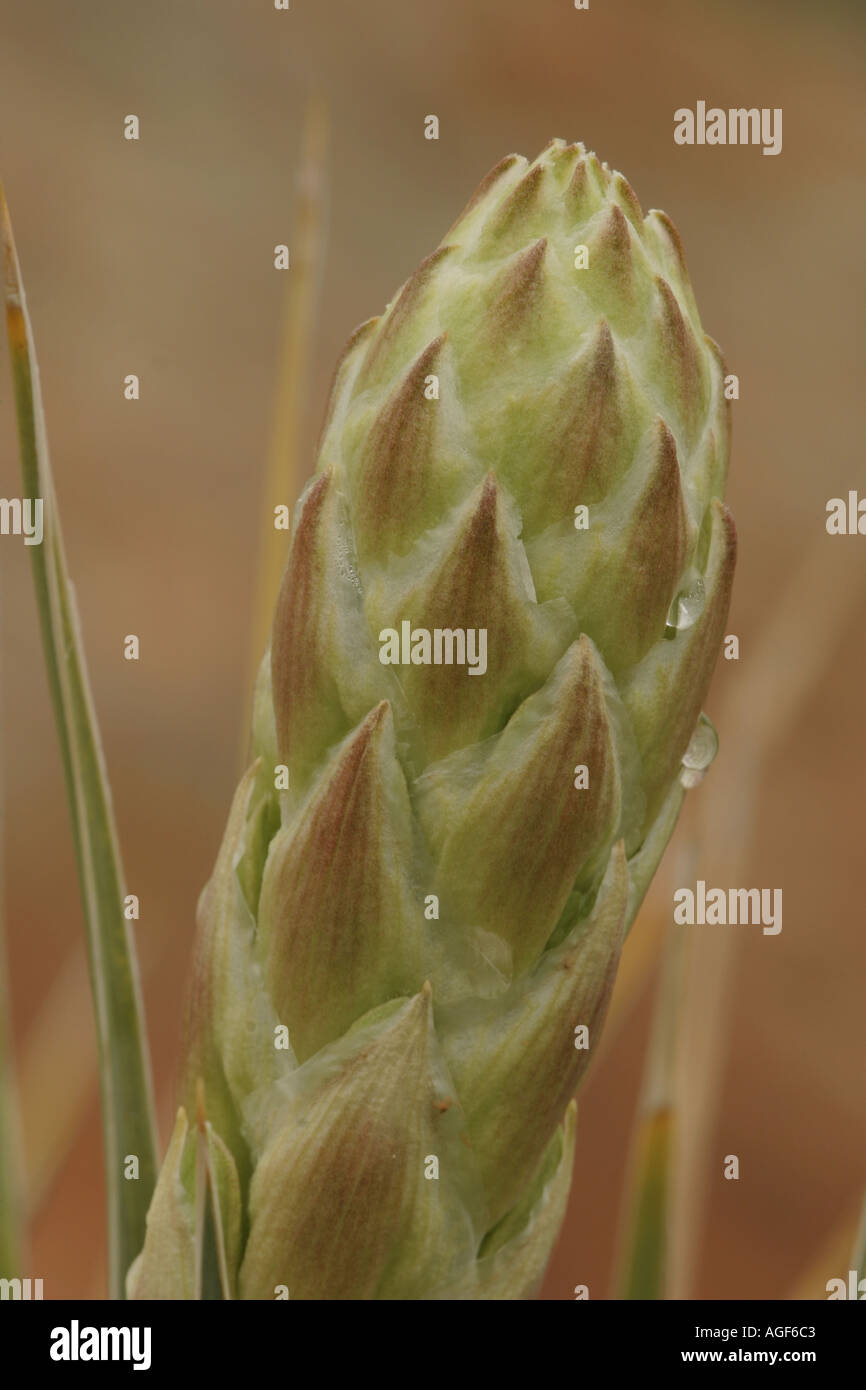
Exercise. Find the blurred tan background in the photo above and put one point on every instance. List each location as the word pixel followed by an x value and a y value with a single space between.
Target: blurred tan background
pixel 156 258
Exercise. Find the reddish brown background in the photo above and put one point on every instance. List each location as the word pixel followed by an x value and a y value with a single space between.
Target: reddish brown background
pixel 156 258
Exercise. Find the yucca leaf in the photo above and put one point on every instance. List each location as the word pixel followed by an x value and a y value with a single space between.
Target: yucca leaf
pixel 646 1247
pixel 127 1105
pixel 645 1266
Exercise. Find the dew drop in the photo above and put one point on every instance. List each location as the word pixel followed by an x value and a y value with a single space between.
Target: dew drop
pixel 686 608
pixel 703 747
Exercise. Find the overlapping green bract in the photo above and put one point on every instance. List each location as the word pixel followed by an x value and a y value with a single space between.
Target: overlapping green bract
pixel 400 956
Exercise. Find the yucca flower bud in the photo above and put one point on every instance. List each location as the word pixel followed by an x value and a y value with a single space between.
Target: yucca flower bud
pixel 505 594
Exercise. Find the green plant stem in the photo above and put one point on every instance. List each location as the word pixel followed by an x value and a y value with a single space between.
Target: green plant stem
pixel 127 1100
pixel 645 1262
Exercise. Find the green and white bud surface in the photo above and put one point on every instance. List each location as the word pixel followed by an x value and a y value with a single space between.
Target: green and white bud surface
pixel 404 957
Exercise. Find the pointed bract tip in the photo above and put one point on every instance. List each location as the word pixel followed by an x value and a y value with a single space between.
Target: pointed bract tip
pixel 364 736
pixel 527 268
pixel 534 254
pixel 555 142
pixel 558 149
pixel 603 336
pixel 603 358
pixel 723 511
pixel 492 177
pixel 400 311
pixel 602 168
pixel 305 537
pixel 670 305
pixel 358 335
pixel 426 359
pixel 614 240
pixel 482 524
pixel 666 445
pixel 377 717
pixel 519 200
pixel 415 1018
pixel 716 353
pixel 315 497
pixel 579 176
pixel 519 287
pixel 672 236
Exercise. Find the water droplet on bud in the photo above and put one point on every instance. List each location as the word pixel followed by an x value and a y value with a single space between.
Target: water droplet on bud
pixel 686 607
pixel 703 747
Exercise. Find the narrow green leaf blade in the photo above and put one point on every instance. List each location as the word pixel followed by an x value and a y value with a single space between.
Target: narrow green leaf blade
pixel 218 1216
pixel 645 1264
pixel 127 1103
pixel 644 1271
